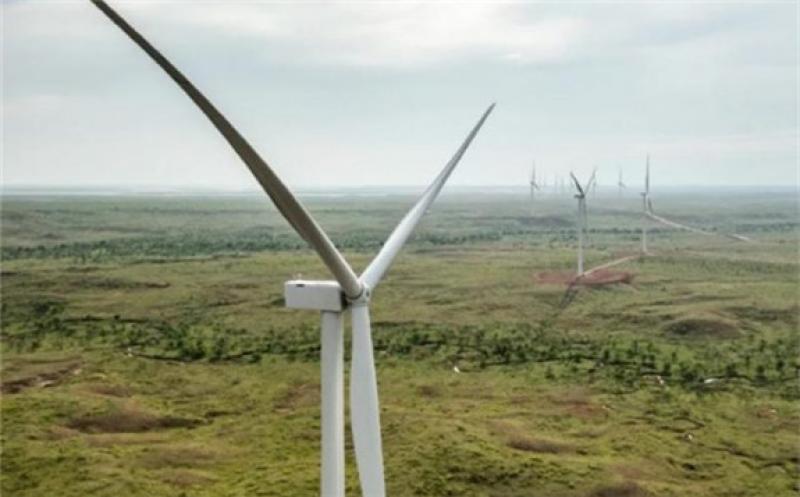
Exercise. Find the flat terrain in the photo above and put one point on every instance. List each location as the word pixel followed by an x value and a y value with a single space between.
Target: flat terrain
pixel 147 352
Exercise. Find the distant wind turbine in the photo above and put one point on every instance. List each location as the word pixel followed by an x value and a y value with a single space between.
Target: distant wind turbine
pixel 582 216
pixel 348 292
pixel 534 185
pixel 645 205
pixel 620 184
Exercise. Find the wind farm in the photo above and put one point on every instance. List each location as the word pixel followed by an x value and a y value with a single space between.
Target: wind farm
pixel 408 291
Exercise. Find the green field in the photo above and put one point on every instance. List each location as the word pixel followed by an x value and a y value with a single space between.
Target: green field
pixel 147 351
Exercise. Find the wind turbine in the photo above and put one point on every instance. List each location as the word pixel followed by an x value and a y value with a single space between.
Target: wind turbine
pixel 582 217
pixel 620 184
pixel 533 184
pixel 348 292
pixel 645 204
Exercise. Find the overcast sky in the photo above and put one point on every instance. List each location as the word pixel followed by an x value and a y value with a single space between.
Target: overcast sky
pixel 356 93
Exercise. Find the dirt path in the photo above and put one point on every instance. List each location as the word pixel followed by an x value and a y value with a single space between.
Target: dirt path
pixel 615 262
pixel 673 224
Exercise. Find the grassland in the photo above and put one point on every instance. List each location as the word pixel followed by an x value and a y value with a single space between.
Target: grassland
pixel 146 349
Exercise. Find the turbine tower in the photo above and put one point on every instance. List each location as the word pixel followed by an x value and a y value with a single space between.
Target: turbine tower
pixel 645 204
pixel 620 184
pixel 347 293
pixel 582 217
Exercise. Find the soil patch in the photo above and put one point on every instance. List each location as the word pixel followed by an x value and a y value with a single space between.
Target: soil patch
pixel 177 457
pixel 578 403
pixel 626 489
pixel 185 478
pixel 49 375
pixel 428 391
pixel 128 420
pixel 555 277
pixel 111 390
pixel 761 315
pixel 516 438
pixel 296 396
pixel 701 328
pixel 118 284
pixel 537 445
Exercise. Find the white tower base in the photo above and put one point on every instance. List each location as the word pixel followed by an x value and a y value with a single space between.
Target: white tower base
pixel 328 298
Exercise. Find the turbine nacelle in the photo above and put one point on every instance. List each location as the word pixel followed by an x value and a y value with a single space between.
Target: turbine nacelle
pixel 326 295
pixel 321 295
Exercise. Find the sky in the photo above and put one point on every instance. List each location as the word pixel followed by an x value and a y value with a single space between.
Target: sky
pixel 339 94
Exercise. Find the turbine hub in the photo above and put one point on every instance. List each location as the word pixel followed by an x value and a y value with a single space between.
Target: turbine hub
pixel 363 299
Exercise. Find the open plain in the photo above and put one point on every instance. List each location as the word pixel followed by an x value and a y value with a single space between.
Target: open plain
pixel 147 350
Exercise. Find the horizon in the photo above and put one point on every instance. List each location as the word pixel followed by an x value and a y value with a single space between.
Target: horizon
pixel 166 190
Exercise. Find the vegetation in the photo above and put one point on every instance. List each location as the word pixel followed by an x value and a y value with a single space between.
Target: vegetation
pixel 146 349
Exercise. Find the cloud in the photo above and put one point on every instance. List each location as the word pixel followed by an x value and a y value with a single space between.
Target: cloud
pixel 384 34
pixel 394 34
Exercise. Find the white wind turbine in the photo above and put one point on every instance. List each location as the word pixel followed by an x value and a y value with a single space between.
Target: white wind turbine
pixel 534 185
pixel 645 205
pixel 348 292
pixel 620 184
pixel 582 216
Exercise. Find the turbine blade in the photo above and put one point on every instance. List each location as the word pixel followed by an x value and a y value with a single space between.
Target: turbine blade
pixel 287 204
pixel 380 264
pixel 592 180
pixel 577 184
pixel 647 176
pixel 364 410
